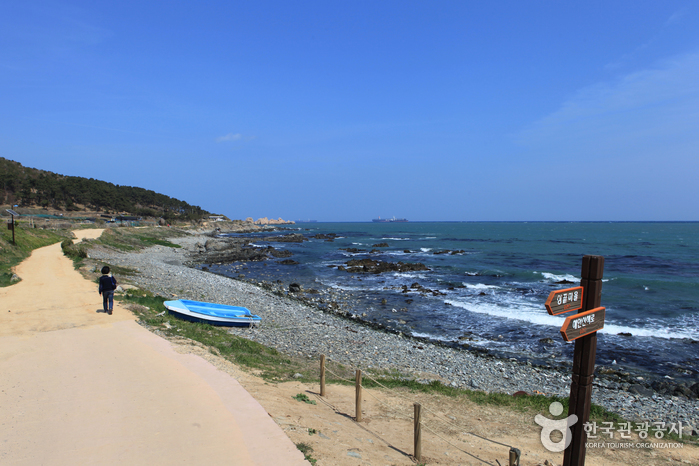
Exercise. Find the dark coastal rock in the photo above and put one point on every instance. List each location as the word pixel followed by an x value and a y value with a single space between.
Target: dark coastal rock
pixel 376 267
pixel 448 251
pixel 684 390
pixel 229 250
pixel 292 238
pixel 327 237
pixel 564 282
pixel 294 288
pixel 420 289
pixel 603 370
pixel 547 341
pixel 640 390
pixel 279 253
pixel 288 262
pixel 213 245
pixel 353 250
pixel 380 245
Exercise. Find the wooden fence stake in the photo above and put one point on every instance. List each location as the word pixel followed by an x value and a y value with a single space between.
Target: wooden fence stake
pixel 322 375
pixel 514 456
pixel 417 437
pixel 358 398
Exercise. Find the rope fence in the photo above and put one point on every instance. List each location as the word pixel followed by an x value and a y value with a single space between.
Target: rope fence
pixel 417 418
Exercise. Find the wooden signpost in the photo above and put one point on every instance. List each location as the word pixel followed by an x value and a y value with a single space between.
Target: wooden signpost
pixel 582 323
pixel 581 328
pixel 11 225
pixel 562 301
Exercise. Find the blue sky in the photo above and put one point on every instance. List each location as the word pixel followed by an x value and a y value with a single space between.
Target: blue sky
pixel 349 110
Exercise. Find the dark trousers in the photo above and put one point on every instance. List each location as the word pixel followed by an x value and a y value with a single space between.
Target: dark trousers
pixel 108 300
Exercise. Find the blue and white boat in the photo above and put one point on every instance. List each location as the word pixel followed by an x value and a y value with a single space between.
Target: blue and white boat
pixel 211 313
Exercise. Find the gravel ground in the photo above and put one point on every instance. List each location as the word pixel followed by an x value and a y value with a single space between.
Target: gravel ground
pixel 293 327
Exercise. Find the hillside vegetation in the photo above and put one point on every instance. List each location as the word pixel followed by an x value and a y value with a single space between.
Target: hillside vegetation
pixel 30 187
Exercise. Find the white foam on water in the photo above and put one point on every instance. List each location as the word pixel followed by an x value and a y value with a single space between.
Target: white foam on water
pixel 395 253
pixel 471 274
pixel 344 287
pixel 653 330
pixel 433 337
pixel 518 311
pixel 557 278
pixel 409 275
pixel 480 286
pixel 397 239
pixel 527 313
pixel 478 342
pixel 425 249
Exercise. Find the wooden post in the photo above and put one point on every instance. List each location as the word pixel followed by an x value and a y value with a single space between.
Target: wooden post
pixel 514 456
pixel 584 363
pixel 358 397
pixel 417 432
pixel 322 375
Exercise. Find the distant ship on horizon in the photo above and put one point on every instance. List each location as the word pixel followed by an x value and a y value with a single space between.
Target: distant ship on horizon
pixel 389 220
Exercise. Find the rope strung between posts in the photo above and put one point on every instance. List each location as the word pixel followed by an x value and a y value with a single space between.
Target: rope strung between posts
pixel 442 417
pixel 339 377
pixel 408 418
pixel 436 434
pixel 460 449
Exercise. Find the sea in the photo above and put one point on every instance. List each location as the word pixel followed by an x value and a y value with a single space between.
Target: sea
pixel 493 278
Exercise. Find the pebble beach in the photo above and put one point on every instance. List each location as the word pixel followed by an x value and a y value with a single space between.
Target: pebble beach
pixel 297 328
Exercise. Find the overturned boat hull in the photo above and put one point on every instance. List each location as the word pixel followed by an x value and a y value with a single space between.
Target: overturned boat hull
pixel 212 313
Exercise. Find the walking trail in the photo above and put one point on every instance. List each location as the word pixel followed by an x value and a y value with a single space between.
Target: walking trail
pixel 79 386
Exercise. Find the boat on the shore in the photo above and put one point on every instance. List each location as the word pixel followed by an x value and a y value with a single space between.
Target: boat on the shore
pixel 211 313
pixel 389 220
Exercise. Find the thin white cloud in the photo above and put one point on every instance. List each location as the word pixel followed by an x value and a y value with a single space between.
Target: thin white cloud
pixel 229 137
pixel 674 18
pixel 628 58
pixel 647 105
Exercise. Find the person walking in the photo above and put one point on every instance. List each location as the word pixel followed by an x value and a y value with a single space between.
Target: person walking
pixel 107 286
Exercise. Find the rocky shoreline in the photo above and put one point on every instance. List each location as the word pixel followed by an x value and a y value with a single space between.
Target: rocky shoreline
pixel 294 324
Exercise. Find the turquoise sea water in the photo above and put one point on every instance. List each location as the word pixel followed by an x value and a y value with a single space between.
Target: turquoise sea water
pixel 493 292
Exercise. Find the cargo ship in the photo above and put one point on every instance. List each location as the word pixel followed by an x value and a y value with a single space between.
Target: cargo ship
pixel 389 220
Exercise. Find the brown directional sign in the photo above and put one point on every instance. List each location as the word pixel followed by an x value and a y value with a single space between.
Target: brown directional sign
pixel 583 323
pixel 562 301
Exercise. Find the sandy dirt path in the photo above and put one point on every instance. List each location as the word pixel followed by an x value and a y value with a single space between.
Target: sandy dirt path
pixel 82 387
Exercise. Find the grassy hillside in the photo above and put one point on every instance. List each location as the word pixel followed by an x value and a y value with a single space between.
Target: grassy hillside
pixel 30 187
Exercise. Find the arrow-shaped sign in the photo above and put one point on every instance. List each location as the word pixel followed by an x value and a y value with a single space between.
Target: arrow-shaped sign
pixel 583 323
pixel 562 301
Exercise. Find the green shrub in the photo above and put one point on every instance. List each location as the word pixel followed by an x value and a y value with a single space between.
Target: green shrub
pixel 73 251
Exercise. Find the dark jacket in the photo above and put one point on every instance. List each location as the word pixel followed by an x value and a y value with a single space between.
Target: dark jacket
pixel 107 283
